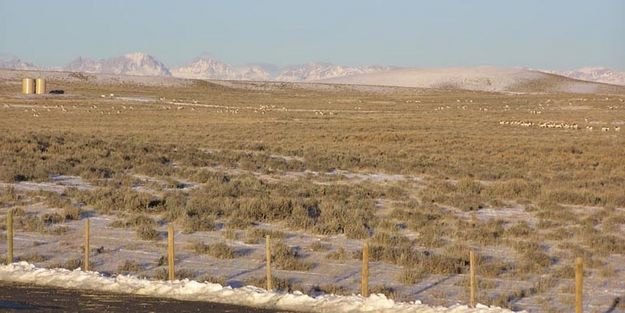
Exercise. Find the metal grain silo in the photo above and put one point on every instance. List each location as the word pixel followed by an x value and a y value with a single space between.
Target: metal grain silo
pixel 40 86
pixel 28 86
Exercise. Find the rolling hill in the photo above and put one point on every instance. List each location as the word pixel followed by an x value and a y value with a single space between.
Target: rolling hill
pixel 477 78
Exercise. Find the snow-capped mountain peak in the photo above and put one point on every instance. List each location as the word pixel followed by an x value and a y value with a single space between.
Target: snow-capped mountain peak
pixel 138 57
pixel 16 64
pixel 253 72
pixel 136 63
pixel 205 67
pixel 319 71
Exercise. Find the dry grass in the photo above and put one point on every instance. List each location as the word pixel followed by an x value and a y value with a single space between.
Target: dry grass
pixel 218 250
pixel 32 258
pixel 212 279
pixel 389 292
pixel 319 246
pixel 146 232
pixel 563 187
pixel 339 255
pixel 329 289
pixel 258 235
pixel 279 284
pixel 70 264
pixel 129 267
pixel 180 273
pixel 288 258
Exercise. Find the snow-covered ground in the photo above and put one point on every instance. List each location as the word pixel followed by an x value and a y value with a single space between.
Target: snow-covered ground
pixel 57 184
pixel 112 246
pixel 204 291
pixel 471 78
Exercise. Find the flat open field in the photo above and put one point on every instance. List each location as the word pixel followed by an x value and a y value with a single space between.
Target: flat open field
pixel 528 180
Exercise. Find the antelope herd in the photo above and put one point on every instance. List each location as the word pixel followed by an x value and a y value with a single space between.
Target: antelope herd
pixel 560 125
pixel 461 104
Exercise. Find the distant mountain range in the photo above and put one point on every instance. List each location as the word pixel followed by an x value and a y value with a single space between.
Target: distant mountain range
pixel 594 74
pixel 137 63
pixel 17 64
pixel 205 67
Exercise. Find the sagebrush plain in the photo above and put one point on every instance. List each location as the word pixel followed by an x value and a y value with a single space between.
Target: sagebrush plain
pixel 529 180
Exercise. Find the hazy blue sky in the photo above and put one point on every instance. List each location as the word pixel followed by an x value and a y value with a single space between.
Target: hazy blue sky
pixel 554 34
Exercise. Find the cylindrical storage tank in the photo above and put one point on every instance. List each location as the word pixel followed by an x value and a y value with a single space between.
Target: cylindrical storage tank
pixel 40 86
pixel 28 86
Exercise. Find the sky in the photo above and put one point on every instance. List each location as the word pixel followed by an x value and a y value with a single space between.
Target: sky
pixel 554 34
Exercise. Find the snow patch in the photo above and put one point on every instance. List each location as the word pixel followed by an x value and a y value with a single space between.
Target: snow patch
pixel 57 184
pixel 24 272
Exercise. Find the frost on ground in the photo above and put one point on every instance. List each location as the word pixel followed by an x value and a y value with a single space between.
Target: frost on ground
pixel 57 184
pixel 24 272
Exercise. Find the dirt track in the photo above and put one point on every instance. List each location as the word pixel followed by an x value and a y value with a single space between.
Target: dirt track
pixel 28 298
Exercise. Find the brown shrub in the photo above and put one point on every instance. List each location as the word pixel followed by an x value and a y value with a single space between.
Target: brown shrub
pixel 218 250
pixel 339 255
pixel 279 284
pixel 288 258
pixel 129 266
pixel 257 235
pixel 146 232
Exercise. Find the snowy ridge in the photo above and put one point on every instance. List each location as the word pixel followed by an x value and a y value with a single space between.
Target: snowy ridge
pixel 319 71
pixel 205 67
pixel 484 78
pixel 594 74
pixel 191 290
pixel 471 78
pixel 17 64
pixel 136 63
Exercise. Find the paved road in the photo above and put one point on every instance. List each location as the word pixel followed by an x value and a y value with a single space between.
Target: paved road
pixel 28 298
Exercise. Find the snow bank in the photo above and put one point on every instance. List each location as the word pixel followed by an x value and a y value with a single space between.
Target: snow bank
pixel 24 272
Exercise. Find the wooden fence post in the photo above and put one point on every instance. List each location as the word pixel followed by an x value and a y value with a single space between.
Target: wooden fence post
pixel 472 278
pixel 10 237
pixel 364 280
pixel 170 251
pixel 87 245
pixel 579 285
pixel 268 262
